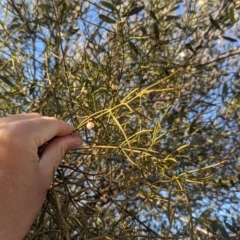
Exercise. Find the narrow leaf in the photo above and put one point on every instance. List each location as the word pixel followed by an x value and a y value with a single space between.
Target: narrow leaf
pixel 133 11
pixel 214 23
pixel 170 119
pixel 234 224
pixel 214 225
pixel 61 3
pixel 143 29
pixel 174 8
pixel 133 47
pixel 190 47
pixel 71 32
pixel 224 91
pixel 153 15
pixel 32 89
pixel 156 31
pixel 106 19
pixel 199 47
pixel 231 15
pixel 231 228
pixel 6 80
pixel 117 2
pixel 178 25
pixel 107 5
pixel 192 127
pixel 14 26
pixel 172 17
pixel 45 7
pixel 229 39
pixel 223 232
pixel 206 214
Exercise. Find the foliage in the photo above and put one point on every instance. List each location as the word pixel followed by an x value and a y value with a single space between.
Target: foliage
pixel 160 81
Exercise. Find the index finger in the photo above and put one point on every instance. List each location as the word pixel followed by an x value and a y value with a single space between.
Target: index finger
pixel 44 129
pixel 50 127
pixel 19 117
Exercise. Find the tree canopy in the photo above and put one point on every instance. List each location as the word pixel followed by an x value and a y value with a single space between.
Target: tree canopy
pixel 153 88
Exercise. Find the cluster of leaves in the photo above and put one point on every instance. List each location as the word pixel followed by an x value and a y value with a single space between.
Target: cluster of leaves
pixel 160 81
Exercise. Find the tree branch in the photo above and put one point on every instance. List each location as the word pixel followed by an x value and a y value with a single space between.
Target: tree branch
pixel 219 58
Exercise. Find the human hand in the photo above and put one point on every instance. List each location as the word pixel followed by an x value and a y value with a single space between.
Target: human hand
pixel 25 175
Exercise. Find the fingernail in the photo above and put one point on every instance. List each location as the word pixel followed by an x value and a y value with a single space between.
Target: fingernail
pixel 77 141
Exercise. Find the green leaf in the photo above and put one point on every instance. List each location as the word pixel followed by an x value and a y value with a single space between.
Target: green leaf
pixel 170 119
pixel 192 127
pixel 14 26
pixel 117 2
pixel 71 32
pixel 46 7
pixel 61 3
pixel 143 29
pixel 214 225
pixel 49 18
pixel 107 5
pixel 224 91
pixel 6 80
pixel 133 47
pixel 133 11
pixel 229 39
pixel 199 47
pixel 32 88
pixel 230 227
pixel 178 25
pixel 206 214
pixel 223 231
pixel 232 183
pixel 106 19
pixel 234 224
pixel 156 31
pixel 190 47
pixel 231 16
pixel 172 17
pixel 214 23
pixel 174 8
pixel 153 15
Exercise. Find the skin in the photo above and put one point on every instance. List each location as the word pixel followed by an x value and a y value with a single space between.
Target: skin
pixel 26 173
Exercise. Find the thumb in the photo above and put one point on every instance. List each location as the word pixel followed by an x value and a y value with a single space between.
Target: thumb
pixel 54 153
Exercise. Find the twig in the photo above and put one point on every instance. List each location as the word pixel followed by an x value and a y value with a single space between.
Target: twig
pixel 219 58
